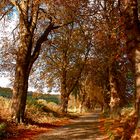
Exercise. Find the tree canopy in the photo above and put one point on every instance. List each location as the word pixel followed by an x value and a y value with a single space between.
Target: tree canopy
pixel 86 48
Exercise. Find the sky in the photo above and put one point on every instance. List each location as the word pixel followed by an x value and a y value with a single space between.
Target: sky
pixel 4 82
pixel 6 28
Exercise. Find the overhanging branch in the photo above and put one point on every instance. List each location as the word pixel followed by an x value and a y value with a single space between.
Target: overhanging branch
pixel 42 39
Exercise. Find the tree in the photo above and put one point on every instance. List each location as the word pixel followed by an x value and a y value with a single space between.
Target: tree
pixel 111 50
pixel 32 15
pixel 132 32
pixel 64 60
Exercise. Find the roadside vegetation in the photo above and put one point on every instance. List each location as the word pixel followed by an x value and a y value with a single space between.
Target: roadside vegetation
pixel 124 125
pixel 43 114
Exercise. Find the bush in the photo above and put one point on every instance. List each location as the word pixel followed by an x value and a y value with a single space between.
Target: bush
pixel 50 105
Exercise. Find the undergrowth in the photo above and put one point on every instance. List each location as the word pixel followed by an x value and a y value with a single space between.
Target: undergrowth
pixel 40 113
pixel 122 128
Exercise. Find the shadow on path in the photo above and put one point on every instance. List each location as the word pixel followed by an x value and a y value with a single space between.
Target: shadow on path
pixel 83 128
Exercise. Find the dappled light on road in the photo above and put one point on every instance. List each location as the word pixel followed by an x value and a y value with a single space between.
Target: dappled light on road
pixel 84 128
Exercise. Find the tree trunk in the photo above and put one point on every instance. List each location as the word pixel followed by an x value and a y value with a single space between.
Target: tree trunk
pixel 22 71
pixel 132 31
pixel 137 73
pixel 114 99
pixel 82 101
pixel 64 88
pixel 64 94
pixel 64 105
pixel 19 95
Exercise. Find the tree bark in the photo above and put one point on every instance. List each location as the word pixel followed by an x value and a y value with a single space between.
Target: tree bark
pixel 22 65
pixel 114 97
pixel 64 94
pixel 132 31
pixel 19 95
pixel 64 102
pixel 22 72
pixel 137 92
pixel 82 98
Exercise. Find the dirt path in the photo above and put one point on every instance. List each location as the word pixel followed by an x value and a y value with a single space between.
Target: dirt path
pixel 84 128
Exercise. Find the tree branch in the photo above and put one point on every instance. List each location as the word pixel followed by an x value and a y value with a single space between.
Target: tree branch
pixel 34 17
pixel 5 13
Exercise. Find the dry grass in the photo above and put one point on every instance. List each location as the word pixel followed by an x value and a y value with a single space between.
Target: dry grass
pixel 4 108
pixel 40 116
pixel 122 128
pixel 42 112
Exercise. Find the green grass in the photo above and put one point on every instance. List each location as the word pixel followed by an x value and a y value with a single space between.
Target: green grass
pixel 48 98
pixel 7 93
pixel 51 98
